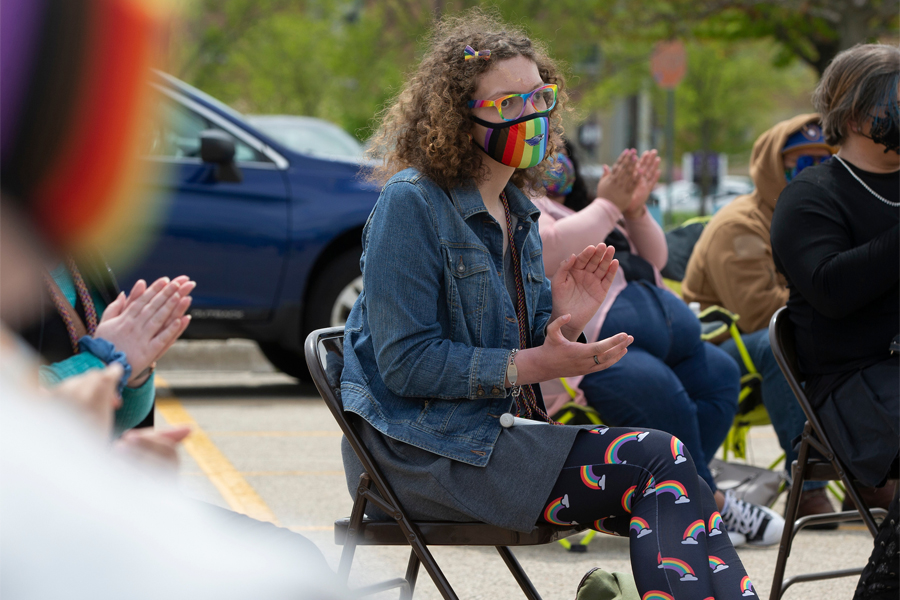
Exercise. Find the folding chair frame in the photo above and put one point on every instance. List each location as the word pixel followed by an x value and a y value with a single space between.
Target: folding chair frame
pixel 374 488
pixel 808 468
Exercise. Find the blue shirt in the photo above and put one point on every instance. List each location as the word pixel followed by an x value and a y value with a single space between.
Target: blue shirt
pixel 428 341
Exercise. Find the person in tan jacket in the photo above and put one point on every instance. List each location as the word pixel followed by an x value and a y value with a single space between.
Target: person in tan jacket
pixel 732 266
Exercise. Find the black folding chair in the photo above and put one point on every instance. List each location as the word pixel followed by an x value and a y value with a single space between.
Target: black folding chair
pixel 325 358
pixel 808 467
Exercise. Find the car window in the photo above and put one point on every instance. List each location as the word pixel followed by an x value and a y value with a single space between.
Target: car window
pixel 177 134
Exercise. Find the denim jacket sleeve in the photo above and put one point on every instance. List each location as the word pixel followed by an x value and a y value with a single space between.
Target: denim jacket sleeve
pixel 404 279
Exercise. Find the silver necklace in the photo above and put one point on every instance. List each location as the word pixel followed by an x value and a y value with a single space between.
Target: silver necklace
pixel 863 183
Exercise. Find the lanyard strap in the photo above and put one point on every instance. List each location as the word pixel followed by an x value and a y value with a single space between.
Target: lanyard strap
pixel 75 327
pixel 530 408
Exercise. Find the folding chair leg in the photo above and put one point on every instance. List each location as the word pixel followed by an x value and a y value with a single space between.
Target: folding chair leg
pixel 516 569
pixel 356 517
pixel 790 516
pixel 865 513
pixel 412 571
pixel 423 554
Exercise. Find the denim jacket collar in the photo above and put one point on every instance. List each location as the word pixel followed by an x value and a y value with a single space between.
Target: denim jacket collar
pixel 467 201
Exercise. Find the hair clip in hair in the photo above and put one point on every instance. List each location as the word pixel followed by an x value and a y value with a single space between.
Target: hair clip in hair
pixel 471 53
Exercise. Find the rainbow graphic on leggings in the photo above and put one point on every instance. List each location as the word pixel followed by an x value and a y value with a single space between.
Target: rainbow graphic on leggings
pixel 715 524
pixel 551 513
pixel 693 532
pixel 599 430
pixel 640 526
pixel 675 488
pixel 657 595
pixel 746 587
pixel 626 498
pixel 650 487
pixel 677 451
pixel 684 570
pixel 599 526
pixel 612 452
pixel 591 480
pixel 521 145
pixel 716 564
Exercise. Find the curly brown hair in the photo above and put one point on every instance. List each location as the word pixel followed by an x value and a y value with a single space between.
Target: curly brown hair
pixel 428 125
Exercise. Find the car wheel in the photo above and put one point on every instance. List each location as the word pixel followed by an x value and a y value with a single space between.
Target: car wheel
pixel 288 361
pixel 333 293
pixel 330 299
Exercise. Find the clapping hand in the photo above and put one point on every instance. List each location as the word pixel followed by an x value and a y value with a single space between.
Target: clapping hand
pixel 94 394
pixel 619 182
pixel 146 323
pixel 580 285
pixel 647 170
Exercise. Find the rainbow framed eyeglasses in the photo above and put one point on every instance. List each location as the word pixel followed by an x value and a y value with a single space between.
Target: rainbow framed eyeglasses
pixel 511 107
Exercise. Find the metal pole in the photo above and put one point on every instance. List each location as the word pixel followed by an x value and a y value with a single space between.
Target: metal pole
pixel 670 151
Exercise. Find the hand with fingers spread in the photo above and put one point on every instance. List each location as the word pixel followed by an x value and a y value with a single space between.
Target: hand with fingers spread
pixel 580 285
pixel 648 175
pixel 618 183
pixel 561 357
pixel 147 322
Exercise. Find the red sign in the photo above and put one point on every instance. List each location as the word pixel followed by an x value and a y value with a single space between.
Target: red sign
pixel 668 64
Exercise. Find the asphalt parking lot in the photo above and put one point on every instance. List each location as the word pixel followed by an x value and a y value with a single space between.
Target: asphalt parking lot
pixel 268 447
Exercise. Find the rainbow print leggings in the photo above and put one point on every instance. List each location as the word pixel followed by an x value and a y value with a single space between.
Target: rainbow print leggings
pixel 643 484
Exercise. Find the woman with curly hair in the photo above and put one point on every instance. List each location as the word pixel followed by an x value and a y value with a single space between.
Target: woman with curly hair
pixel 457 321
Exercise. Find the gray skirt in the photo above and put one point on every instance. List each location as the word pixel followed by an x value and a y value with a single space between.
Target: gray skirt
pixel 509 492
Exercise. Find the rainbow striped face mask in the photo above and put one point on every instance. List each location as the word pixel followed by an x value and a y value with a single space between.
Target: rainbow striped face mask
pixel 521 143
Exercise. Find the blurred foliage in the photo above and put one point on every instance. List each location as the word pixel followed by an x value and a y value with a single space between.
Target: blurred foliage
pixel 730 93
pixel 342 60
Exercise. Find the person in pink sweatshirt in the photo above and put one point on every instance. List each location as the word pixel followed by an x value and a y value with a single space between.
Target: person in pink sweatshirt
pixel 669 379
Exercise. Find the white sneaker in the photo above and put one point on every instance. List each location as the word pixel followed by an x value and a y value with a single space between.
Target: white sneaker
pixel 761 526
pixel 737 539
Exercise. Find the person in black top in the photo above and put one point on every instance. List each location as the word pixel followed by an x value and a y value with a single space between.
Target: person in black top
pixel 836 238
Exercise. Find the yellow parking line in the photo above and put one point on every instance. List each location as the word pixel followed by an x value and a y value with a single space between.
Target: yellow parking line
pixel 235 490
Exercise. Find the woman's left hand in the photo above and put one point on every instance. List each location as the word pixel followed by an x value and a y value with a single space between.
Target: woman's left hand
pixel 580 285
pixel 647 176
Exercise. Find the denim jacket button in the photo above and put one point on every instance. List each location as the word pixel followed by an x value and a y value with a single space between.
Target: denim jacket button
pixel 495 391
pixel 480 392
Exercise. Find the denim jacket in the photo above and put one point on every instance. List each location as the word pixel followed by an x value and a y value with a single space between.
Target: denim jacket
pixel 428 341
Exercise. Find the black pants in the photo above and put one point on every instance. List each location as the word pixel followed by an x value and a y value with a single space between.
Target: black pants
pixel 643 484
pixel 862 420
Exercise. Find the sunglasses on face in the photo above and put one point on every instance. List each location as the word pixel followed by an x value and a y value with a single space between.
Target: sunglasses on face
pixel 511 107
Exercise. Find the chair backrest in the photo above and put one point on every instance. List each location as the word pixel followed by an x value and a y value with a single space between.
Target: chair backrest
pixel 781 339
pixel 324 349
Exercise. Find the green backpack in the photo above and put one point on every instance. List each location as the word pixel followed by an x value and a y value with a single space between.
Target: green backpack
pixel 598 584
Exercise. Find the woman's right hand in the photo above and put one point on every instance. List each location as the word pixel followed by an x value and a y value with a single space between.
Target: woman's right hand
pixel 146 323
pixel 558 357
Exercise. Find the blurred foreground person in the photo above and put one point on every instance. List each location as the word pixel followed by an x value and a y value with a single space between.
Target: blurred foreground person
pixel 835 236
pixel 731 266
pixel 77 521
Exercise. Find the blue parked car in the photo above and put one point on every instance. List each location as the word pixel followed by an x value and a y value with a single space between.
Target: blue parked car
pixel 271 236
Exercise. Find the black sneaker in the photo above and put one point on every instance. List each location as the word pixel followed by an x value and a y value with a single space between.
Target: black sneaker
pixel 761 525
